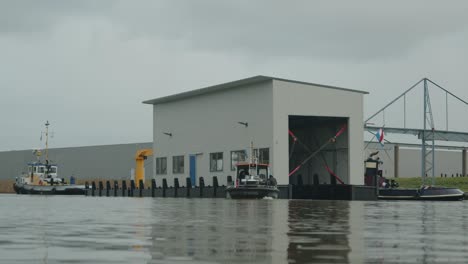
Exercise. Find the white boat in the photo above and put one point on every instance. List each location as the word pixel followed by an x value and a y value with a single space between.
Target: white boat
pixel 42 177
pixel 253 181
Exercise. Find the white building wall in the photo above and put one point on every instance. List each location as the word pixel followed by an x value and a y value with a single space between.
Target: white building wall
pixel 447 161
pixel 208 123
pixel 301 99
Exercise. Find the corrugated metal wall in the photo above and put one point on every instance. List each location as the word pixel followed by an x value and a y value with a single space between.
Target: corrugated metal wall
pixel 91 162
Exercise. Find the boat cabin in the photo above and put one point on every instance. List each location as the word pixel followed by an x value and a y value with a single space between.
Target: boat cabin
pixel 42 169
pixel 247 173
pixel 41 174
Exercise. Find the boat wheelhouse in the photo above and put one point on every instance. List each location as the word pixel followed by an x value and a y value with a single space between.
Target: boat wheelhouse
pixel 41 174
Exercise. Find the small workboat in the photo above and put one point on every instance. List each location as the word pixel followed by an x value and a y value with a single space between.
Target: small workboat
pixel 428 193
pixel 390 191
pixel 253 181
pixel 42 177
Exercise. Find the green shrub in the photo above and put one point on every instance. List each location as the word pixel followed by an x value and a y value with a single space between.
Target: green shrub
pixel 416 182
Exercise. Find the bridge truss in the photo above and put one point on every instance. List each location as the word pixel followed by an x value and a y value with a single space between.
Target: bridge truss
pixel 428 134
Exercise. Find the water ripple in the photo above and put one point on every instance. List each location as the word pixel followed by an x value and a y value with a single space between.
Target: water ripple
pixel 48 229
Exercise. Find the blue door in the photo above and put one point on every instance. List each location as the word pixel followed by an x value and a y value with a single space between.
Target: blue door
pixel 193 169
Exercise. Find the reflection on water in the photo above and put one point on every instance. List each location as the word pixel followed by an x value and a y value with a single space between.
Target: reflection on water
pixel 39 229
pixel 318 232
pixel 417 232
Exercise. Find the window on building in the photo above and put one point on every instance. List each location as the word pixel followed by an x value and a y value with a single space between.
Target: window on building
pixel 263 155
pixel 236 157
pixel 178 164
pixel 161 166
pixel 216 161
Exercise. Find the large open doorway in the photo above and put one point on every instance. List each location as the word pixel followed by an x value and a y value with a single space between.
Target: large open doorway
pixel 309 135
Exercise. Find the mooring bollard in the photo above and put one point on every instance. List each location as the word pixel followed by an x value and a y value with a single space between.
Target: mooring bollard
pixel 132 187
pixel 124 187
pixel 332 180
pixel 101 186
pixel 176 186
pixel 300 182
pixel 189 186
pixel 116 187
pixel 164 187
pixel 215 185
pixel 153 187
pixel 202 185
pixel 93 188
pixel 142 187
pixel 108 187
pixel 316 179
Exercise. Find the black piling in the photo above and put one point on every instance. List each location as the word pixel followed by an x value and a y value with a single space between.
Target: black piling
pixel 132 188
pixel 332 180
pixel 93 188
pixel 101 187
pixel 316 180
pixel 176 186
pixel 215 185
pixel 108 188
pixel 164 187
pixel 300 182
pixel 141 185
pixel 153 187
pixel 189 186
pixel 124 188
pixel 116 187
pixel 202 185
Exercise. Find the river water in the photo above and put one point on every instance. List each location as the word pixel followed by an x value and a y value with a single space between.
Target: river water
pixel 53 229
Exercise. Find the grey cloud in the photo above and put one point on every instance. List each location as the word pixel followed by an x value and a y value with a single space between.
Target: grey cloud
pixel 87 65
pixel 31 16
pixel 362 30
pixel 367 30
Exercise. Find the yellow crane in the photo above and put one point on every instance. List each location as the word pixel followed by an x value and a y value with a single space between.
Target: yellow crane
pixel 140 157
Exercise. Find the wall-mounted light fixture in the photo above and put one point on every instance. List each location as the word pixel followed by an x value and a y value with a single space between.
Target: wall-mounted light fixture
pixel 244 123
pixel 168 134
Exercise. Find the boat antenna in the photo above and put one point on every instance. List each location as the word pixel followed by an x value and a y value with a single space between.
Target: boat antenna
pixel 251 158
pixel 47 142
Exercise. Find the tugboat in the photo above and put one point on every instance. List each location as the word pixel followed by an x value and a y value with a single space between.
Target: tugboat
pixel 390 191
pixel 253 181
pixel 42 177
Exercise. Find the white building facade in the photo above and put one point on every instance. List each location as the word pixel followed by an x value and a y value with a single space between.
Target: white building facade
pixel 203 133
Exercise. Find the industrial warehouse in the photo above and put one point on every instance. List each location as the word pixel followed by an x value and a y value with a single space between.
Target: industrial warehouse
pixel 309 134
pixel 215 125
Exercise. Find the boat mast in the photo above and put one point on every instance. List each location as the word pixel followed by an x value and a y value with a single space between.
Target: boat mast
pixel 47 142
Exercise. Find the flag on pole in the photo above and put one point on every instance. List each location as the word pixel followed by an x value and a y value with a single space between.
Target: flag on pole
pixel 380 136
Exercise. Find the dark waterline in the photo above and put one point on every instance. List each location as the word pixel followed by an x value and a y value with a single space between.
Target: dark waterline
pixel 41 229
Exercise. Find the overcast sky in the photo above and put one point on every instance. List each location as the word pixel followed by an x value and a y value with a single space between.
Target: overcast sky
pixel 86 66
